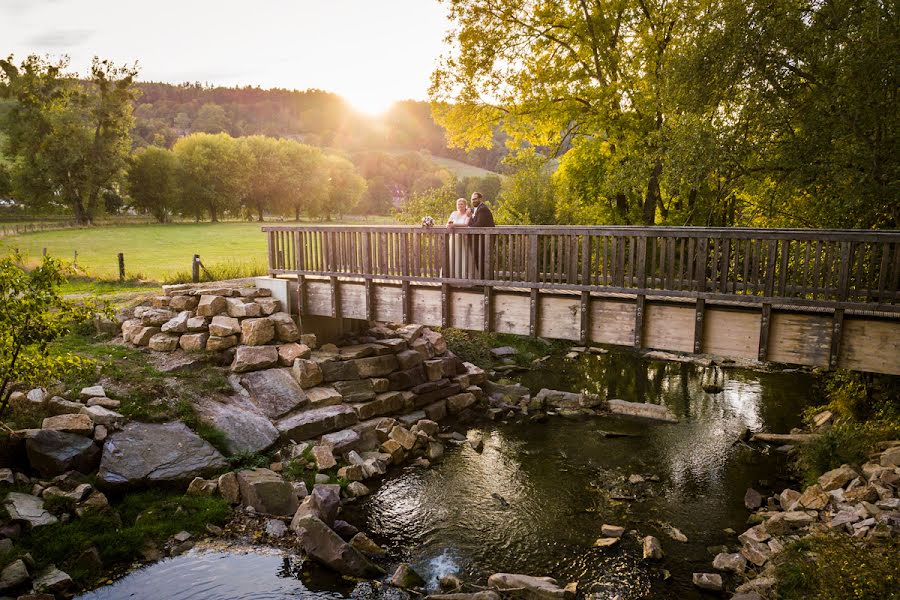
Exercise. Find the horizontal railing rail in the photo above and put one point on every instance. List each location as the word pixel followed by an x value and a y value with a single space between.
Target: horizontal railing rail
pixel 830 269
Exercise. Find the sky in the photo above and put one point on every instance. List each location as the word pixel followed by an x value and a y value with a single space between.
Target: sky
pixel 371 52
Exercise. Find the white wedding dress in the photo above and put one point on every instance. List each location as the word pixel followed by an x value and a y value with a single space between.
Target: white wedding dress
pixel 460 255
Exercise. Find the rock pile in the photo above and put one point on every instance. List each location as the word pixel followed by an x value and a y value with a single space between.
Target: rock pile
pixel 859 501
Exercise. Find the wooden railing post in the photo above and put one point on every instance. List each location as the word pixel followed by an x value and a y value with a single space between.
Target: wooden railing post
pixel 533 280
pixel 641 272
pixel 404 272
pixel 837 322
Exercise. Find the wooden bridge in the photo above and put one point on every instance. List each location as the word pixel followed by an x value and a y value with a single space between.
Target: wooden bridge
pixel 810 297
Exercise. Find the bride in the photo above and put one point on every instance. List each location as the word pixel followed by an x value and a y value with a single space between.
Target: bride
pixel 459 250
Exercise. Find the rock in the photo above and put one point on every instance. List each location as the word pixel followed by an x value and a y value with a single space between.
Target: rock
pixel 813 498
pixel 236 307
pixel 759 585
pixel 755 552
pixel 504 352
pixel 652 549
pixel 357 489
pixel 784 438
pixel 402 380
pixel 337 370
pixel 286 329
pixel 163 342
pixel 612 531
pixel 405 577
pixel 320 397
pixel 223 326
pixel 708 581
pixel 606 542
pixel 641 410
pixel 376 366
pixel 307 373
pixel 527 587
pixel 156 317
pixel 459 402
pixel 341 441
pixel 837 478
pixel 891 457
pixel 181 303
pixel 193 342
pixel 752 499
pixel 52 453
pixel 60 406
pixel 734 563
pixel 198 325
pixel 256 332
pixel 150 453
pixel 209 306
pixel 403 437
pixel 323 503
pixel 229 487
pixel 782 523
pixel 323 457
pixel 94 391
pixel 823 418
pixel 276 528
pixel 327 548
pixel 14 575
pixel 178 323
pixel 386 403
pixel 253 358
pixel 28 509
pixel 215 343
pixel 435 451
pixel 788 499
pixel 245 429
pixel 361 542
pixel 315 422
pixel 143 335
pixel 202 487
pixel 80 424
pixel 274 392
pixel 675 534
pixel 359 390
pixel 288 353
pixel 345 529
pixel 104 402
pixel 268 306
pixel 397 452
pixel 103 416
pixel 267 492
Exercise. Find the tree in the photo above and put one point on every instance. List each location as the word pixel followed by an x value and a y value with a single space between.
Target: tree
pixel 69 136
pixel 211 118
pixel 213 174
pixel 436 203
pixel 345 186
pixel 266 174
pixel 527 197
pixel 305 178
pixel 153 182
pixel 32 315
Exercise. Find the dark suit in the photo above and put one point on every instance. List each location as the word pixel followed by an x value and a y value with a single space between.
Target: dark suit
pixel 482 217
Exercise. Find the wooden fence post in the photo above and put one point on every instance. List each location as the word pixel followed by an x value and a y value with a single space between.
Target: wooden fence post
pixel 195 269
pixel 121 266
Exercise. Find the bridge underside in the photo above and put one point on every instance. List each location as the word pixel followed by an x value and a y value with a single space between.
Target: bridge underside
pixel 858 341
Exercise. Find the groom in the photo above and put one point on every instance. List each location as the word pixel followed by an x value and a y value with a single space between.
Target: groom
pixel 481 217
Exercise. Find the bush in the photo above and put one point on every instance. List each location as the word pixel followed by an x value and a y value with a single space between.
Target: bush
pixel 829 567
pixel 845 443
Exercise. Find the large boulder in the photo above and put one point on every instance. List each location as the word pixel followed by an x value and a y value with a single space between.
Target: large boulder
pixel 256 332
pixel 323 503
pixel 267 492
pixel 163 342
pixel 641 410
pixel 286 329
pixel 69 423
pixel 307 372
pixel 315 422
pixel 377 366
pixel 570 400
pixel 27 509
pixel 837 478
pixel 223 326
pixel 52 453
pixel 327 548
pixel 150 453
pixel 209 305
pixel 359 390
pixel 245 429
pixel 274 391
pixel 253 358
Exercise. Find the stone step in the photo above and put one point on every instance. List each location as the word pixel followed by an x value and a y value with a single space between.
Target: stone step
pixel 315 422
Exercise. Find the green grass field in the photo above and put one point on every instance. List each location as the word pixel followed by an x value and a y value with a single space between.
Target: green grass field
pixel 461 169
pixel 152 252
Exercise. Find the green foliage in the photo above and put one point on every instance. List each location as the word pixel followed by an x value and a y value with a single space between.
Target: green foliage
pixel 248 460
pixel 146 518
pixel 294 470
pixel 527 197
pixel 437 203
pixel 475 346
pixel 32 316
pixel 827 567
pixel 214 172
pixel 686 112
pixel 845 443
pixel 69 135
pixel 153 182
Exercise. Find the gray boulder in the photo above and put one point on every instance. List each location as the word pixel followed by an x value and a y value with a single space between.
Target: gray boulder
pixel 406 577
pixel 253 358
pixel 145 453
pixel 52 453
pixel 28 509
pixel 528 587
pixel 245 429
pixel 326 547
pixel 267 492
pixel 323 503
pixel 274 391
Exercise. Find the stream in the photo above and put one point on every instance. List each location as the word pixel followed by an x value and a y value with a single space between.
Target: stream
pixel 533 501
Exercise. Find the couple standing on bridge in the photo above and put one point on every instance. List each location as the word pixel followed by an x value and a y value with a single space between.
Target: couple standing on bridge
pixel 465 253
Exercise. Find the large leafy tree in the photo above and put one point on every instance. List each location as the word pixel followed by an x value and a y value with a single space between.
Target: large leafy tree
pixel 69 136
pixel 345 187
pixel 213 174
pixel 266 184
pixel 153 182
pixel 305 179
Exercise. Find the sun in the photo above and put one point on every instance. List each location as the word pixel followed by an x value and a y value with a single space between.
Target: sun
pixel 371 102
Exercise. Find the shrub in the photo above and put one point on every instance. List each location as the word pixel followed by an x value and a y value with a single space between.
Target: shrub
pixel 845 443
pixel 828 567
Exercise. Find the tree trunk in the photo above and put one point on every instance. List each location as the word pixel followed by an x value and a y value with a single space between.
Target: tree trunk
pixel 259 211
pixel 213 215
pixel 652 198
pixel 297 213
pixel 78 209
pixel 622 206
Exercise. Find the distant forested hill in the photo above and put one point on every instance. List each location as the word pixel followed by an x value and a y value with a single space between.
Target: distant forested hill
pixel 165 112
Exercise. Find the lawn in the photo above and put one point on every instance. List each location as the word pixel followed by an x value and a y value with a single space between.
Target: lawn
pixel 461 169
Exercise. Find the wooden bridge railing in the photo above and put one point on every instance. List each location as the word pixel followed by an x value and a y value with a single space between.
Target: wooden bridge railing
pixel 830 269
